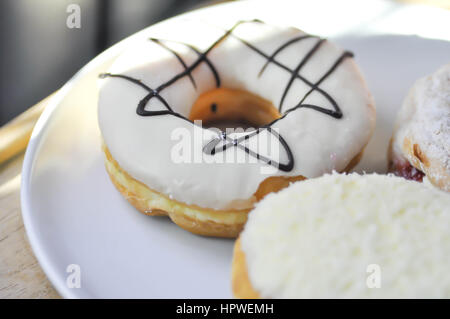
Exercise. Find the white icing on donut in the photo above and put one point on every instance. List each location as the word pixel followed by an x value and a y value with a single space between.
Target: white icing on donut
pixel 319 143
pixel 328 230
pixel 425 118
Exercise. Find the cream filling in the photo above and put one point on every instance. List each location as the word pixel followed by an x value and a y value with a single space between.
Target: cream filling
pixel 159 201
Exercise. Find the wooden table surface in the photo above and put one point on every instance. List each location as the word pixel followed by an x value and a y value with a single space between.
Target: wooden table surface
pixel 20 274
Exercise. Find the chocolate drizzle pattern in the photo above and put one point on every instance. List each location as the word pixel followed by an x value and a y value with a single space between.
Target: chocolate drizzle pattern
pixel 211 147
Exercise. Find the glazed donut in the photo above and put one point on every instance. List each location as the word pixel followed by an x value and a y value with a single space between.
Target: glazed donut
pixel 420 144
pixel 346 236
pixel 304 95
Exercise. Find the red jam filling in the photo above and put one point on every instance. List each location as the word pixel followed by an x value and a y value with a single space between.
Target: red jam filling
pixel 406 170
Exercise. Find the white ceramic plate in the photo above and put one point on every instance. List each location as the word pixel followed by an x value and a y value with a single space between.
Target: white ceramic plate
pixel 73 214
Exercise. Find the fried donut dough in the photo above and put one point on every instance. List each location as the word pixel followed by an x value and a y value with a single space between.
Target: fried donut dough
pixel 420 144
pixel 323 118
pixel 201 221
pixel 326 237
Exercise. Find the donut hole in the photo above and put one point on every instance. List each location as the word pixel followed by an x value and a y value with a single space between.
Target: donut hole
pixel 224 108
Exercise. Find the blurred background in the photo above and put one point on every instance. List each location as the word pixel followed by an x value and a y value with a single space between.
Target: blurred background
pixel 39 53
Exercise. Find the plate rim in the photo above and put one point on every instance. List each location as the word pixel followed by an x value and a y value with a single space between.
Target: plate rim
pixel 31 153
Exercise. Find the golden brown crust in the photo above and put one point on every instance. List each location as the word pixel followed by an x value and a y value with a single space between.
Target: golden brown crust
pixel 198 220
pixel 413 153
pixel 418 158
pixel 433 169
pixel 206 222
pixel 355 160
pixel 241 286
